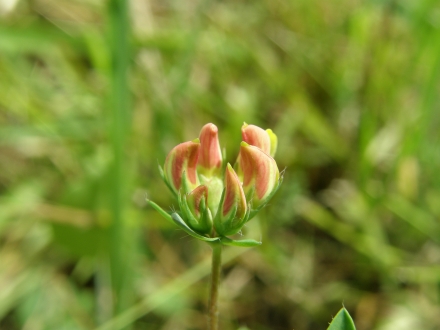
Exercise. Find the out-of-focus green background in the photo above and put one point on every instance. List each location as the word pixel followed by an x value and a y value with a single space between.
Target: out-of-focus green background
pixel 350 87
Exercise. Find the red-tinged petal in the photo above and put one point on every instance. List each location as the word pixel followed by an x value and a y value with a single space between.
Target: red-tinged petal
pixel 260 171
pixel 195 197
pixel 256 136
pixel 210 154
pixel 234 194
pixel 245 167
pixel 182 159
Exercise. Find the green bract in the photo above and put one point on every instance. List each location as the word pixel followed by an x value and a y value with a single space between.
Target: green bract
pixel 216 202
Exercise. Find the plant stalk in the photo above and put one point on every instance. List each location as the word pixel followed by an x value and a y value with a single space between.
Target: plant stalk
pixel 215 281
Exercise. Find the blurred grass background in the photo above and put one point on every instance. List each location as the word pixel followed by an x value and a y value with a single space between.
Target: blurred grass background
pixel 93 94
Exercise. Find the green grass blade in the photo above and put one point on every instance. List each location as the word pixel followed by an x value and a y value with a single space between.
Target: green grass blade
pixel 120 117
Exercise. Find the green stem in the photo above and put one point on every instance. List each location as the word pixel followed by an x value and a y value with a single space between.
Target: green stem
pixel 215 281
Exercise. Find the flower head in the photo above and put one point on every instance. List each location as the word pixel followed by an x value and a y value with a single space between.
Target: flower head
pixel 214 204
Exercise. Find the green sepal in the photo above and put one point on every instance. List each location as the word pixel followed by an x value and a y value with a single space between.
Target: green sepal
pixel 226 227
pixel 204 224
pixel 342 321
pixel 239 242
pixel 184 185
pixel 190 220
pixel 162 175
pixel 250 194
pixel 178 220
pixel 161 172
pixel 236 227
pixel 206 218
pixel 217 224
pixel 254 212
pixel 223 226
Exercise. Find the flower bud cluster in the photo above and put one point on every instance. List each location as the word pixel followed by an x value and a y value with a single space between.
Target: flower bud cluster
pixel 216 201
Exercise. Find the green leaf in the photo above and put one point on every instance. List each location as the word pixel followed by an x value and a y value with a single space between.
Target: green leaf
pixel 179 221
pixel 161 211
pixel 176 219
pixel 240 242
pixel 342 321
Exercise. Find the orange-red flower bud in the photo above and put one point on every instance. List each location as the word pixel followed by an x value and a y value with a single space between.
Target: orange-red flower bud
pixel 210 159
pixel 233 211
pixel 234 194
pixel 195 211
pixel 182 160
pixel 260 173
pixel 197 197
pixel 266 140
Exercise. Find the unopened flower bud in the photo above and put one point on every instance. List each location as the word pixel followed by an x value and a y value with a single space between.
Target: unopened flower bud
pixel 195 209
pixel 197 199
pixel 182 161
pixel 210 159
pixel 260 173
pixel 266 140
pixel 233 211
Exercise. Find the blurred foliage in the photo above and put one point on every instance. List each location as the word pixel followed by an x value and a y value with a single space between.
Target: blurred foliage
pixel 351 89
